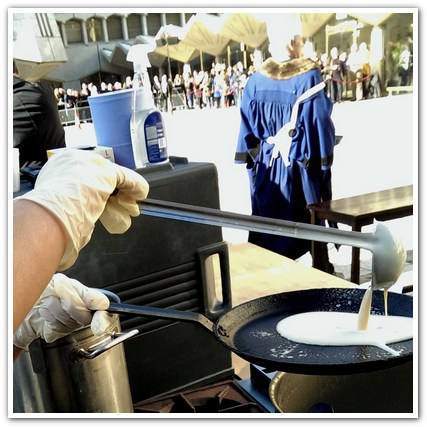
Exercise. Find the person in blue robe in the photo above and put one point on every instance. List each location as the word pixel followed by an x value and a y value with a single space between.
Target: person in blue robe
pixel 286 173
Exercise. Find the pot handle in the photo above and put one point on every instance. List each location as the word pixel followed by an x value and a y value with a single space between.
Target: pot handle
pixel 118 338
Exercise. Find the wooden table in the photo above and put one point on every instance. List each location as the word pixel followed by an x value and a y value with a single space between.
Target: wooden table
pixel 359 211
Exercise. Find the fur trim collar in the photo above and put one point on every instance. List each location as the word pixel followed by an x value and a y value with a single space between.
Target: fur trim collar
pixel 286 70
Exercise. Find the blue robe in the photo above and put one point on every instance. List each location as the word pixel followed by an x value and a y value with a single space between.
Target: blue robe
pixel 280 191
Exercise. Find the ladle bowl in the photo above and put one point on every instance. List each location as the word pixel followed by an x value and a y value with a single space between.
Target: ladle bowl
pixel 388 257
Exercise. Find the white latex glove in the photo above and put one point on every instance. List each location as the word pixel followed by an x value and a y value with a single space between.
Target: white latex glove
pixel 64 306
pixel 282 143
pixel 76 186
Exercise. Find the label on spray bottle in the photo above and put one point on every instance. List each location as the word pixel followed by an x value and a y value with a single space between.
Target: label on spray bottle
pixel 155 137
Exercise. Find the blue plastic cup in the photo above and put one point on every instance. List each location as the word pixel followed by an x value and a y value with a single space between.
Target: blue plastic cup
pixel 111 113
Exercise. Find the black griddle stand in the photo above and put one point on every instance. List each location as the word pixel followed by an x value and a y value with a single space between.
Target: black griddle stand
pixel 258 385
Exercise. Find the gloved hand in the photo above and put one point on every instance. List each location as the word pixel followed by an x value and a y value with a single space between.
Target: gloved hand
pixel 76 186
pixel 64 306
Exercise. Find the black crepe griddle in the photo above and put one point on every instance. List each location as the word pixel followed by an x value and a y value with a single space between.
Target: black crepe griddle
pixel 249 330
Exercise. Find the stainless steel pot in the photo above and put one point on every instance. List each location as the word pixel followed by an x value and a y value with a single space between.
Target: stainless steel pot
pixel 385 391
pixel 74 374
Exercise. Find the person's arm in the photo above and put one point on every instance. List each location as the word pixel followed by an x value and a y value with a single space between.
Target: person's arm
pixel 39 242
pixel 53 222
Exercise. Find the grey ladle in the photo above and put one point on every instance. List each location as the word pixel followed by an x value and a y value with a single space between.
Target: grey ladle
pixel 388 252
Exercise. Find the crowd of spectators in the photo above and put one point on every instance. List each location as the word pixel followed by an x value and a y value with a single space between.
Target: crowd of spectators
pixel 348 76
pixel 220 87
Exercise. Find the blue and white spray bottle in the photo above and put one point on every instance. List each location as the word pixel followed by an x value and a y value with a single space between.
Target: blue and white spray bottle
pixel 147 128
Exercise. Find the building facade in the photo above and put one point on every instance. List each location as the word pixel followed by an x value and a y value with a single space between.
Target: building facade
pixel 93 46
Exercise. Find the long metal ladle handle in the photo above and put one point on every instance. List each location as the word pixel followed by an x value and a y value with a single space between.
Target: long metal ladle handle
pixel 388 253
pixel 216 217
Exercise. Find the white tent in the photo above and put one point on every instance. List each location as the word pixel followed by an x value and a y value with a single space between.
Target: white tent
pixel 202 32
pixel 170 45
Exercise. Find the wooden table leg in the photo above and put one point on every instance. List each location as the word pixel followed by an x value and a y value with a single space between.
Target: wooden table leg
pixel 355 260
pixel 355 266
pixel 314 245
pixel 319 251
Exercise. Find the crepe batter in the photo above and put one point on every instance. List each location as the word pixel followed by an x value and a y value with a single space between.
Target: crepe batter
pixel 341 329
